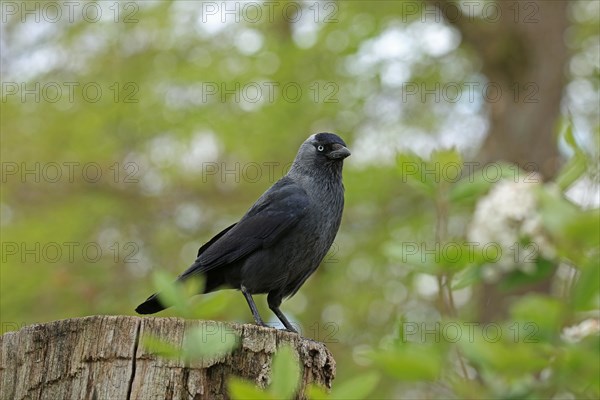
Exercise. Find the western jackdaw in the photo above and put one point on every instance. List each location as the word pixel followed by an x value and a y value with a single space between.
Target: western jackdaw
pixel 282 238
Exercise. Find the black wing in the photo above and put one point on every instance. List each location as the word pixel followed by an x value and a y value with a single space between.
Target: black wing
pixel 214 239
pixel 277 211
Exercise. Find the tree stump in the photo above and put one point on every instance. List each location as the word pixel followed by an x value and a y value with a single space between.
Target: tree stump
pixel 102 357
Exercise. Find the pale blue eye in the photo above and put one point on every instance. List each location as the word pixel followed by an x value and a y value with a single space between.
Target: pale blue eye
pixel 320 148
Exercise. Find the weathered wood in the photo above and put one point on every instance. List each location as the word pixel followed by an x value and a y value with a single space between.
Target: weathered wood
pixel 101 357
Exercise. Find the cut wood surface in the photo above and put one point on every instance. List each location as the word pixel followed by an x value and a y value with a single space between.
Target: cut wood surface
pixel 102 357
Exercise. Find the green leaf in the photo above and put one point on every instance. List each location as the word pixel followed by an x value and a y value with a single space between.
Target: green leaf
pixel 517 278
pixel 242 390
pixel 476 182
pixel 171 294
pixel 413 172
pixel 204 342
pixel 583 230
pixel 358 387
pixel 545 313
pixel 411 362
pixel 316 392
pixel 577 165
pixel 469 189
pixel 567 134
pixel 578 369
pixel 587 289
pixel 211 305
pixel 449 164
pixel 467 277
pixel 201 342
pixel 572 171
pixel 159 347
pixel 556 210
pixel 285 376
pixel 454 256
pixel 513 359
pixel 574 232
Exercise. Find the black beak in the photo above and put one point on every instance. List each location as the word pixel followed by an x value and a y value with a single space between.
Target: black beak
pixel 339 152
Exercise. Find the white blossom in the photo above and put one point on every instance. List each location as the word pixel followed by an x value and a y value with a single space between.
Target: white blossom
pixel 575 333
pixel 508 218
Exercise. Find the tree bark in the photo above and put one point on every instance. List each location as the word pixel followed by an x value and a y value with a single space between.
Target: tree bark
pixel 101 357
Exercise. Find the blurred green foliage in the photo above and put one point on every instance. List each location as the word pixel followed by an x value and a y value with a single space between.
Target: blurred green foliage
pixel 527 355
pixel 157 165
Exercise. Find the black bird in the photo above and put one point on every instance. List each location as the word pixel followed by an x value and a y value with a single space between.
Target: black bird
pixel 282 238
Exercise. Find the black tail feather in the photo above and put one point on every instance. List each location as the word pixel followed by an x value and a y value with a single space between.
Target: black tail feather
pixel 150 306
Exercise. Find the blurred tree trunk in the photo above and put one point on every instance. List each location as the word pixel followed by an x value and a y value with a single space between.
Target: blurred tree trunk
pixel 101 357
pixel 522 51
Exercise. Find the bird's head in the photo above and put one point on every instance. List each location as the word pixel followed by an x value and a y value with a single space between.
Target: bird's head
pixel 321 150
pixel 328 146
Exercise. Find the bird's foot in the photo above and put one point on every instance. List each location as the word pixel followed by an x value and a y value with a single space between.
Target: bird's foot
pixel 261 323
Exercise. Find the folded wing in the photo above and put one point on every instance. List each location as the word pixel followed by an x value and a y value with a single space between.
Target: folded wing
pixel 274 214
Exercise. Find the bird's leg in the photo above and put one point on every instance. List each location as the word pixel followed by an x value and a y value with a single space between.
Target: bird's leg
pixel 252 305
pixel 274 300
